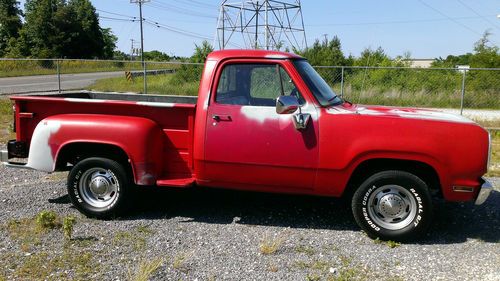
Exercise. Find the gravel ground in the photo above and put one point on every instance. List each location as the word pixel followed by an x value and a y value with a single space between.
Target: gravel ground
pixel 213 235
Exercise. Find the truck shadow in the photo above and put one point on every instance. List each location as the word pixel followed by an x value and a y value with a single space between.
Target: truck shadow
pixel 453 222
pixel 249 208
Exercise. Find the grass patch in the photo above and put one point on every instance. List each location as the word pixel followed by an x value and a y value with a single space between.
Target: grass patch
pixel 70 265
pixel 270 245
pixel 340 270
pixel 180 261
pixel 137 238
pixel 305 250
pixel 57 176
pixel 391 244
pixel 494 169
pixel 158 84
pixel 29 231
pixel 13 68
pixel 144 270
pixel 6 119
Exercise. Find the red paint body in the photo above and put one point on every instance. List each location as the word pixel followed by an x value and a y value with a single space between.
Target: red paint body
pixel 254 148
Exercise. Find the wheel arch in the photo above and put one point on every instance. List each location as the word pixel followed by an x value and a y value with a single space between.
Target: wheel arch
pixel 368 167
pixel 74 152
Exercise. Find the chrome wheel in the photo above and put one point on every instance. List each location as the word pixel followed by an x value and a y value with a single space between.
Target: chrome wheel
pixel 99 187
pixel 392 207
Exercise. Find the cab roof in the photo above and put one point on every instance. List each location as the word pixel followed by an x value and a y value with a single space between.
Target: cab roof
pixel 223 54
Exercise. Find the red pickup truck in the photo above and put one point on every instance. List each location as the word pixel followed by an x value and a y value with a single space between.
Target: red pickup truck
pixel 263 121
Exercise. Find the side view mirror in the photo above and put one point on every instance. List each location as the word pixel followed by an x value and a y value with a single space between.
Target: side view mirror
pixel 286 104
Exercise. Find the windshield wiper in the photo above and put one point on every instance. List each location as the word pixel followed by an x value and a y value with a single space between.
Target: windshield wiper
pixel 337 103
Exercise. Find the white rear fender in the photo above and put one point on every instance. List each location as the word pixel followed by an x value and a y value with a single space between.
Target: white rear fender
pixel 41 156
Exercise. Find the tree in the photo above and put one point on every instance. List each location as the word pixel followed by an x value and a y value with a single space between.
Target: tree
pixel 201 52
pixel 109 43
pixel 192 73
pixel 485 55
pixel 156 56
pixel 10 23
pixel 62 29
pixel 327 52
pixel 371 57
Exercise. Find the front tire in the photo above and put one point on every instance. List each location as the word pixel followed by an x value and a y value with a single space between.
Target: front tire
pixel 393 205
pixel 98 187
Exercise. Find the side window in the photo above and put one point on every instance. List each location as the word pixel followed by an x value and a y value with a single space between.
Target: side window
pixel 254 84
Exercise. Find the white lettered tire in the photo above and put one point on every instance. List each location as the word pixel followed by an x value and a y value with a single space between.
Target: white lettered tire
pixel 393 205
pixel 98 187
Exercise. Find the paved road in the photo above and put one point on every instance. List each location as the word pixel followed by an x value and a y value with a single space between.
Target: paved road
pixel 40 83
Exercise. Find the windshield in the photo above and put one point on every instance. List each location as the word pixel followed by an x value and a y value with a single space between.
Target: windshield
pixel 320 89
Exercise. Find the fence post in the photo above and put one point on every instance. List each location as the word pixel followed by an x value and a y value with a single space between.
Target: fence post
pixel 463 92
pixel 58 76
pixel 145 79
pixel 342 83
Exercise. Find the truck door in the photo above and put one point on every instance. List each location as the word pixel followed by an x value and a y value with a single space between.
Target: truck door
pixel 250 146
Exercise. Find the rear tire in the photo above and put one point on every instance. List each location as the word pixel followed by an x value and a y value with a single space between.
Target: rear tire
pixel 99 187
pixel 393 205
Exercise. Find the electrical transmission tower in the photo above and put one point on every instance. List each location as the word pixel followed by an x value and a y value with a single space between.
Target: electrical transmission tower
pixel 261 24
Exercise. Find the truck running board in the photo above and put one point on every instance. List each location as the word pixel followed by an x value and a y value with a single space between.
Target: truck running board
pixel 176 182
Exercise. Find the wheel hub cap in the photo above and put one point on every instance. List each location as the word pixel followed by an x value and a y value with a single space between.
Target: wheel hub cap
pixel 99 185
pixel 392 205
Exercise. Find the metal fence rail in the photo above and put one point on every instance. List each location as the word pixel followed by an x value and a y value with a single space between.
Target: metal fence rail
pixel 422 87
pixel 403 86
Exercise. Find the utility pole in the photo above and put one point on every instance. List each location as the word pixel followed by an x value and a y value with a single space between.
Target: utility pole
pixel 140 2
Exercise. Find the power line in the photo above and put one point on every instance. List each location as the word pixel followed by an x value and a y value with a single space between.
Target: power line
pixel 202 4
pixel 176 30
pixel 116 14
pixel 448 17
pixel 475 12
pixel 393 22
pixel 117 19
pixel 172 8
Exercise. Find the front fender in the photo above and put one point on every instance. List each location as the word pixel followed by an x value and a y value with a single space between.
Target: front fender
pixel 140 138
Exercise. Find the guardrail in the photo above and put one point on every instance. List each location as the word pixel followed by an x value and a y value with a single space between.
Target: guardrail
pixel 132 74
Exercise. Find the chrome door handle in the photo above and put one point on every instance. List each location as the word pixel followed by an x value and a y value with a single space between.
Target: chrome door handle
pixel 219 118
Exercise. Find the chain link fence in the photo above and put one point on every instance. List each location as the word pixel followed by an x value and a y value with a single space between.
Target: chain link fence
pixel 398 86
pixel 416 87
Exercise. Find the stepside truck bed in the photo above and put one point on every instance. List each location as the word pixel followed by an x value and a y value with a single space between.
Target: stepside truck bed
pixel 173 114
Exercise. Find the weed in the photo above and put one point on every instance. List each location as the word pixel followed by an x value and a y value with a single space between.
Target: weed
pixel 393 244
pixel 136 238
pixel 145 270
pixel 47 220
pixel 270 245
pixel 42 266
pixel 180 261
pixel 305 250
pixel 144 229
pixel 313 277
pixel 273 268
pixel 68 224
pixel 57 176
pixel 25 231
pixel 137 241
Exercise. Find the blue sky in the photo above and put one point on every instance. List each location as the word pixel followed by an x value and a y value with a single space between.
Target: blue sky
pixel 425 28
